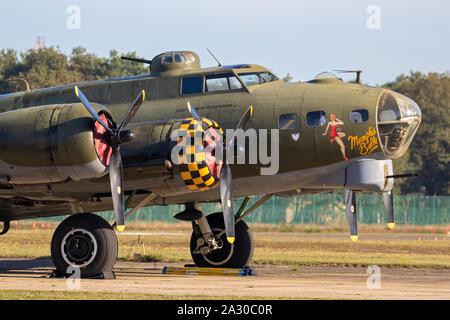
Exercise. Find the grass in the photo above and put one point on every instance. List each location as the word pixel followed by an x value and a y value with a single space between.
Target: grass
pixel 83 295
pixel 186 227
pixel 273 246
pixel 332 251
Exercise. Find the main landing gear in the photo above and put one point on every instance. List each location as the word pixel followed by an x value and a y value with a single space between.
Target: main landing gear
pixel 209 245
pixel 85 241
pixel 210 249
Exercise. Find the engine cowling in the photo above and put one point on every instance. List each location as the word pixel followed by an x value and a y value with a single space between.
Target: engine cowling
pixel 52 143
pixel 194 164
pixel 199 168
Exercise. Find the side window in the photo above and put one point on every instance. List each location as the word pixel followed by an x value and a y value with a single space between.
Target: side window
pixel 359 115
pixel 192 85
pixel 216 83
pixel 234 83
pixel 316 119
pixel 221 82
pixel 250 78
pixel 287 121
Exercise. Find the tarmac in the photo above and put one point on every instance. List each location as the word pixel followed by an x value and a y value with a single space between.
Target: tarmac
pixel 270 281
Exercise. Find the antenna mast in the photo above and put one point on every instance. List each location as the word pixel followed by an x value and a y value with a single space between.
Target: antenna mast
pixel 214 57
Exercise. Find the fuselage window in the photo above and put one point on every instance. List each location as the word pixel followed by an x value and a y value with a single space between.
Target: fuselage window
pixel 287 121
pixel 221 82
pixel 357 116
pixel 192 85
pixel 253 78
pixel 316 119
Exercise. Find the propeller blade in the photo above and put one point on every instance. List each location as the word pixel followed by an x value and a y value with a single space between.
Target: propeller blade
pixel 91 110
pixel 241 124
pixel 244 119
pixel 350 201
pixel 226 197
pixel 388 198
pixel 116 180
pixel 193 112
pixel 226 191
pixel 117 137
pixel 133 109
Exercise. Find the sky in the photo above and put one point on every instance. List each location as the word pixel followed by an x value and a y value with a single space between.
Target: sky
pixel 381 37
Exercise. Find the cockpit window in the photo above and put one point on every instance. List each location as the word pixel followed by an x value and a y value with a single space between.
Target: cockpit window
pixel 253 78
pixel 221 82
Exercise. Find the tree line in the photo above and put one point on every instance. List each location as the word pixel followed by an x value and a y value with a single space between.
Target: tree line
pixel 428 153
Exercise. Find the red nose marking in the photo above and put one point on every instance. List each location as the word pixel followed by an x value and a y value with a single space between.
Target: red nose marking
pixel 212 138
pixel 101 141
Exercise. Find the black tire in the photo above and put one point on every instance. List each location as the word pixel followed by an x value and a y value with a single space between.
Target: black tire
pixel 236 255
pixel 87 241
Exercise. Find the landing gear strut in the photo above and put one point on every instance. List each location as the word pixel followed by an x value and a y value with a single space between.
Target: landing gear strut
pixel 224 255
pixel 85 241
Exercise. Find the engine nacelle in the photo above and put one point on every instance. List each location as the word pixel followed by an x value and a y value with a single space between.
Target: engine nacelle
pixel 52 143
pixel 193 161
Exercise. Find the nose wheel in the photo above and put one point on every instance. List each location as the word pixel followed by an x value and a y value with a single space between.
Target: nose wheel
pixel 224 254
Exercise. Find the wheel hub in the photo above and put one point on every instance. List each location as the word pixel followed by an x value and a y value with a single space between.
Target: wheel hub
pixel 79 248
pixel 222 254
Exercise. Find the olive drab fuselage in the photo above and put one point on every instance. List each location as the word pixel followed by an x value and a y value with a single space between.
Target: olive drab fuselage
pixel 47 157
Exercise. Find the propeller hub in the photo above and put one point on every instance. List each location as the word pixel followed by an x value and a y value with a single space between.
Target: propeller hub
pixel 126 136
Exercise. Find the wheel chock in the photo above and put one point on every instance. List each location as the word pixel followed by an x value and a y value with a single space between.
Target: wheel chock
pixel 247 271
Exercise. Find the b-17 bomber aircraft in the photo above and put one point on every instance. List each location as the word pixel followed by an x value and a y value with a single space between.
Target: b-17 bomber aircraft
pixel 183 134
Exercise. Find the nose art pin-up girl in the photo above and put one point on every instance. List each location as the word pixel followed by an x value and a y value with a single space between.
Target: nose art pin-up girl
pixel 334 135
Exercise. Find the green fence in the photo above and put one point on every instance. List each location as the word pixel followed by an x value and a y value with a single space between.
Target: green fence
pixel 318 209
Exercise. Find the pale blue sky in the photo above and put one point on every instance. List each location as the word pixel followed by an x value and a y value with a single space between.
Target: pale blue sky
pixel 299 37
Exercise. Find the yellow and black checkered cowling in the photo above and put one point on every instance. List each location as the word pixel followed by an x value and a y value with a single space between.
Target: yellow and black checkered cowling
pixel 194 169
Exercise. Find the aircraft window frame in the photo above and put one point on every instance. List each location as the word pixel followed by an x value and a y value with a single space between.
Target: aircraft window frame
pixel 168 61
pixel 290 121
pixel 364 113
pixel 189 57
pixel 226 76
pixel 179 56
pixel 262 80
pixel 321 121
pixel 195 92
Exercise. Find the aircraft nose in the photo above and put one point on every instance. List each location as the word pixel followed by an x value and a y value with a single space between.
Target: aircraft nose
pixel 398 118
